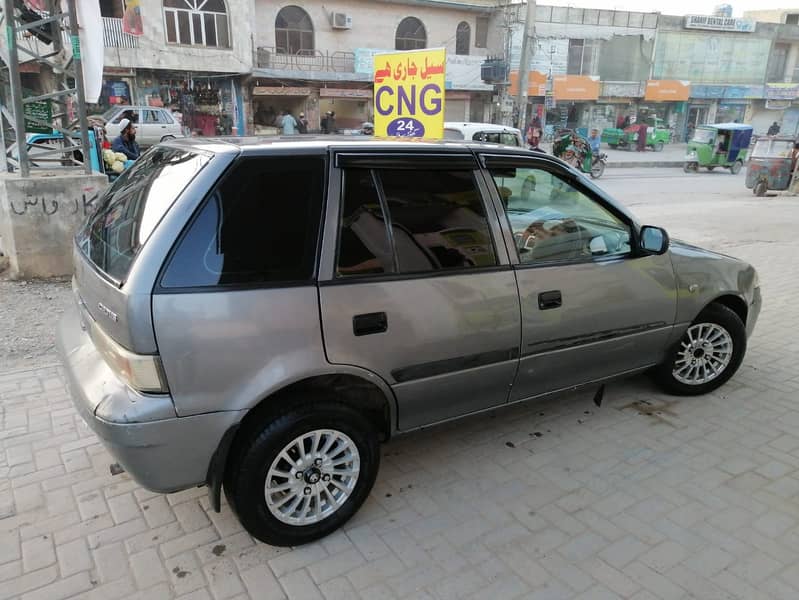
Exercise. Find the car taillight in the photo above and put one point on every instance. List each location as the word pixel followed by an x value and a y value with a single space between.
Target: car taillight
pixel 142 372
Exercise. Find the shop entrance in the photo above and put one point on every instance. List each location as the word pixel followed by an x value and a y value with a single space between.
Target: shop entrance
pixel 267 109
pixel 351 113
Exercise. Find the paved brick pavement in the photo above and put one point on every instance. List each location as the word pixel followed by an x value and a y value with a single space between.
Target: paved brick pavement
pixel 649 497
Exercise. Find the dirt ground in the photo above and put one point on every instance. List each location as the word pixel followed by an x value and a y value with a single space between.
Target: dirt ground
pixel 29 312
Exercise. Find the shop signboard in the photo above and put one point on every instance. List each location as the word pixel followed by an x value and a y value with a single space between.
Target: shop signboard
pixel 667 90
pixel 37 113
pixel 575 87
pixel 409 93
pixel 344 93
pixel 727 91
pixel 714 23
pixel 782 91
pixel 463 72
pixel 536 83
pixel 280 91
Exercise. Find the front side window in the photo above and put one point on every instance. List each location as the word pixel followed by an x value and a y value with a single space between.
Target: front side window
pixel 197 23
pixel 293 31
pixel 411 35
pixel 553 221
pixel 260 226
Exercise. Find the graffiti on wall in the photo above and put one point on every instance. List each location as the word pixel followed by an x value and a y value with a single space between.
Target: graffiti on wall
pixel 49 206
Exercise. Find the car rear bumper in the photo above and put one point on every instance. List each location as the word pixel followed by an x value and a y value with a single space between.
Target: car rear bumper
pixel 161 451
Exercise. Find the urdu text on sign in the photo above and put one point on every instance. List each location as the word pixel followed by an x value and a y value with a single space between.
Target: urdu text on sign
pixel 409 93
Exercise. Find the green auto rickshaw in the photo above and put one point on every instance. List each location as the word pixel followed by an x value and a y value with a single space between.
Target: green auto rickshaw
pixel 723 145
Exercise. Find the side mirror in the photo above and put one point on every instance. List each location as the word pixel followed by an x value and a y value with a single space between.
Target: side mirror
pixel 653 240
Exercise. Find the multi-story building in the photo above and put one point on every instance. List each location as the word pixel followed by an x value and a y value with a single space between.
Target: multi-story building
pixel 251 59
pixel 318 57
pixel 191 54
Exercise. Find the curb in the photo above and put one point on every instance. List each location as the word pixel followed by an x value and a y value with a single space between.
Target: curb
pixel 645 164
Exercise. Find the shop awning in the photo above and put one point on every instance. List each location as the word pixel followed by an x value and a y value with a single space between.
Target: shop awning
pixel 667 90
pixel 536 84
pixel 575 87
pixel 261 90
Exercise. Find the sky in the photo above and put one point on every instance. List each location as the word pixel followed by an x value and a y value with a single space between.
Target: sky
pixel 675 7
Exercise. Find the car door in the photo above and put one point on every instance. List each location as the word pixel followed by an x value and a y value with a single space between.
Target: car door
pixel 591 306
pixel 149 129
pixel 419 288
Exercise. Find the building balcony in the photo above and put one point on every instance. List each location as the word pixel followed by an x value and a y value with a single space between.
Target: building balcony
pixel 114 37
pixel 309 61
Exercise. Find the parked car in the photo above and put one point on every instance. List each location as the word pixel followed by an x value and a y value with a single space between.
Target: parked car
pixel 153 124
pixel 483 132
pixel 258 317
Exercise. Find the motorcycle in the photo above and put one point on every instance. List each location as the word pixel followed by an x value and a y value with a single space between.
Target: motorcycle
pixel 598 163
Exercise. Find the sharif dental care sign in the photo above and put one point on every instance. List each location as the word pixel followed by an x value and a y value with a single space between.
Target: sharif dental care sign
pixel 409 93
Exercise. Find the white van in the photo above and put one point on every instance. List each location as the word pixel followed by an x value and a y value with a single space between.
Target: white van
pixel 483 132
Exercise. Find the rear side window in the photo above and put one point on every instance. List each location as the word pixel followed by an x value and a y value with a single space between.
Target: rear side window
pixel 130 210
pixel 437 223
pixel 261 225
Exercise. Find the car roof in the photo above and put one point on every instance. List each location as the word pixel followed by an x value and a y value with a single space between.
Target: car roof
pixel 731 126
pixel 278 144
pixel 471 126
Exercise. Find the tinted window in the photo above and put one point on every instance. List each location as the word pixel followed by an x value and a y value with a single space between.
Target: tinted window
pixel 363 246
pixel 438 220
pixel 554 221
pixel 132 207
pixel 260 225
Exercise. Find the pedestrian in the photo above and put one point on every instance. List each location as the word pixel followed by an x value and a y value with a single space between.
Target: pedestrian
pixel 794 156
pixel 302 124
pixel 367 129
pixel 331 122
pixel 288 123
pixel 774 129
pixel 125 142
pixel 642 131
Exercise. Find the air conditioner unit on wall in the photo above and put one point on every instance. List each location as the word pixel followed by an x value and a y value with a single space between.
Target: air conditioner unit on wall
pixel 342 21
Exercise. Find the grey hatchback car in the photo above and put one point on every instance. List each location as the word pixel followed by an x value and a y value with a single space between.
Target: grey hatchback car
pixel 258 315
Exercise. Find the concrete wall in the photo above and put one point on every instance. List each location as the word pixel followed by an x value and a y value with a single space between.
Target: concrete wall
pixel 39 216
pixel 153 52
pixel 374 23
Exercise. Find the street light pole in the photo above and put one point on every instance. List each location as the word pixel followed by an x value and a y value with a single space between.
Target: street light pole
pixel 528 38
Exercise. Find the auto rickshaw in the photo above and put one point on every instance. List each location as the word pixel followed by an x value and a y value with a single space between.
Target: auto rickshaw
pixel 575 150
pixel 722 145
pixel 770 165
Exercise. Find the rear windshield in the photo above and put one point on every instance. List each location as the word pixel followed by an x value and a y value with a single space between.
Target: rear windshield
pixel 129 211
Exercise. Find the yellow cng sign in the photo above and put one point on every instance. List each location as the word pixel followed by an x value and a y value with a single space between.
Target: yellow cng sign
pixel 409 93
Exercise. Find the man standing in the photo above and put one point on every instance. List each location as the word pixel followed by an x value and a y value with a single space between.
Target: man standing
pixel 642 133
pixel 125 142
pixel 302 124
pixel 774 129
pixel 288 123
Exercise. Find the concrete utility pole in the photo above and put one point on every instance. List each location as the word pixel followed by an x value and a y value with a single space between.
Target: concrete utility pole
pixel 528 41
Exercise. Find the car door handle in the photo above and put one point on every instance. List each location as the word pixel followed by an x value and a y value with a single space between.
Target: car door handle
pixel 369 323
pixel 547 300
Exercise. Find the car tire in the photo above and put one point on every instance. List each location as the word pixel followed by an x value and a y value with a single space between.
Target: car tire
pixel 711 167
pixel 690 167
pixel 597 169
pixel 325 487
pixel 760 189
pixel 167 138
pixel 658 147
pixel 736 167
pixel 717 332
